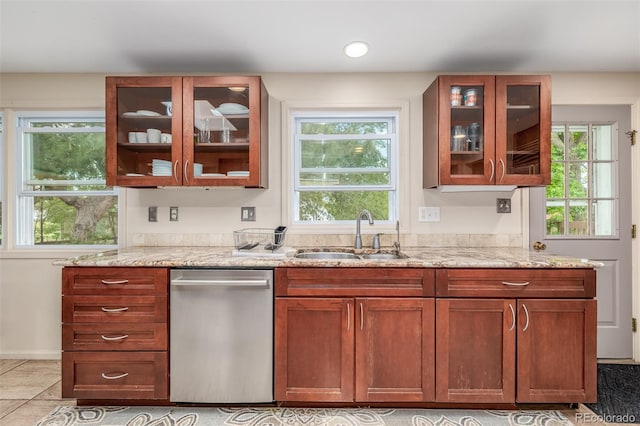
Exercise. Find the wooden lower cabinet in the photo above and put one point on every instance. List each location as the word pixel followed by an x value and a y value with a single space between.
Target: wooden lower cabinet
pixel 524 351
pixel 114 333
pixel 557 351
pixel 475 350
pixel 115 375
pixel 354 349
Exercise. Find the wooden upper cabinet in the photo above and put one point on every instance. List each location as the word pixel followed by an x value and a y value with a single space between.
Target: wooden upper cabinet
pixel 186 131
pixel 487 130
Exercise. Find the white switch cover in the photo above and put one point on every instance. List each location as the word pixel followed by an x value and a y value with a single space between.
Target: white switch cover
pixel 429 214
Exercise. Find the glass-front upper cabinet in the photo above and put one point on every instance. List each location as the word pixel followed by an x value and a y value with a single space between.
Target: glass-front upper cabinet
pixel 486 130
pixel 191 131
pixel 223 119
pixel 143 117
pixel 523 130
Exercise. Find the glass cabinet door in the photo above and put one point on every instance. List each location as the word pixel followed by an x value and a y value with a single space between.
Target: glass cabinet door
pixel 523 130
pixel 143 134
pixel 219 132
pixel 467 129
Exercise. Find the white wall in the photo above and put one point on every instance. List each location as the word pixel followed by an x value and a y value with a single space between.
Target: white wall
pixel 30 286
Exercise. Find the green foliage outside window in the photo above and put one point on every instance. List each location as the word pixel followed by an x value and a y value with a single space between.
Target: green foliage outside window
pixel 343 159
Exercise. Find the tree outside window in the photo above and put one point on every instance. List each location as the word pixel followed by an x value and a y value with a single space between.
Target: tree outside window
pixel 63 198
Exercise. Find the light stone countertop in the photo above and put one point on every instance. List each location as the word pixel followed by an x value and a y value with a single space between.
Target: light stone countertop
pixel 418 257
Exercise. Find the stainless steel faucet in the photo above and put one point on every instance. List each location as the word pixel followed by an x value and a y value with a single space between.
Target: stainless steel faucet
pixel 366 215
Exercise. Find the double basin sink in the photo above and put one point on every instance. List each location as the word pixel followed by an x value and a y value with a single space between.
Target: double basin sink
pixel 328 254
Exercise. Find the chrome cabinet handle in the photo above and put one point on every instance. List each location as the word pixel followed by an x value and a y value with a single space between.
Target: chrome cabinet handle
pixel 516 284
pixel 175 171
pixel 504 169
pixel 116 377
pixel 115 309
pixel 493 169
pixel 361 317
pixel 186 166
pixel 111 282
pixel 110 339
pixel 526 312
pixel 513 317
pixel 348 316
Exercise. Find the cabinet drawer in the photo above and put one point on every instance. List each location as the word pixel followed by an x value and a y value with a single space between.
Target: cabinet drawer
pixel 114 309
pixel 516 283
pixel 399 282
pixel 116 281
pixel 115 375
pixel 114 336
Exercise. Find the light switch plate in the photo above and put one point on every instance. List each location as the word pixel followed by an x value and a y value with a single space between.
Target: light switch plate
pixel 248 214
pixel 429 214
pixel 173 213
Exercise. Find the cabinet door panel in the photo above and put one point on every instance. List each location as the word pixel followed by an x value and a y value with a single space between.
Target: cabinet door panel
pixel 314 350
pixel 394 349
pixel 557 351
pixel 475 344
pixel 523 129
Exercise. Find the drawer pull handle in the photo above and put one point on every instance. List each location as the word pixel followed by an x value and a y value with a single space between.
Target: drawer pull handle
pixel 361 317
pixel 126 308
pixel 516 284
pixel 513 317
pixel 111 282
pixel 110 339
pixel 116 377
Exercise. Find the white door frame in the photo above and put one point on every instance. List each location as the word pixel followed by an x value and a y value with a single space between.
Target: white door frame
pixel 635 206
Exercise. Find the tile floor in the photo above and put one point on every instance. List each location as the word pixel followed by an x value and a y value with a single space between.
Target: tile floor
pixel 30 389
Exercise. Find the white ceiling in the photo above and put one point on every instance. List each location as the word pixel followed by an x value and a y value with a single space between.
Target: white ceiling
pixel 261 36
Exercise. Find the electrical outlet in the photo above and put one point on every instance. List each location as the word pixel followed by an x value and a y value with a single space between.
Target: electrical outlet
pixel 153 214
pixel 503 205
pixel 173 213
pixel 429 214
pixel 248 214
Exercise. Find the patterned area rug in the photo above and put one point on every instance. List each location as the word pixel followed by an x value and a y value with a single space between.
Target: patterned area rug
pixel 188 416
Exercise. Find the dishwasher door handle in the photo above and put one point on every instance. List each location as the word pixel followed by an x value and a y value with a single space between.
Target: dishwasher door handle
pixel 219 283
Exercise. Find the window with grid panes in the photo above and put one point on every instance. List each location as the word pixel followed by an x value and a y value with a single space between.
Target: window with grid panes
pixel 344 162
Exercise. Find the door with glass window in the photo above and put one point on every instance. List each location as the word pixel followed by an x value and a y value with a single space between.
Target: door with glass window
pixel 586 210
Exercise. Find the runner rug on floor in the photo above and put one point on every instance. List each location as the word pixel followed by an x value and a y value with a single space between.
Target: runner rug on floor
pixel 215 416
pixel 618 393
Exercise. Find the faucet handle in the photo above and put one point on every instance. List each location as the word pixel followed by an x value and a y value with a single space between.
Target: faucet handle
pixel 376 241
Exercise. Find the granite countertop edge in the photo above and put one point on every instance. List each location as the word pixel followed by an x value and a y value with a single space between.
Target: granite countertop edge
pixel 417 257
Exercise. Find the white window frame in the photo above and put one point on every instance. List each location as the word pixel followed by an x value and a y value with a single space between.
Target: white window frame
pixel 23 216
pixel 341 115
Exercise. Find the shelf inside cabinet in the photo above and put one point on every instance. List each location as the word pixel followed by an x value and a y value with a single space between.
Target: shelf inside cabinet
pixel 140 147
pixel 220 147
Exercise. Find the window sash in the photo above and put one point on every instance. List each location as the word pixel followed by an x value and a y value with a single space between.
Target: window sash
pixel 391 120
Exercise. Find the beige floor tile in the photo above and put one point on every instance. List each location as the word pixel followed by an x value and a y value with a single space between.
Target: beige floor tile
pixel 9 364
pixel 9 405
pixel 54 393
pixel 30 412
pixel 29 379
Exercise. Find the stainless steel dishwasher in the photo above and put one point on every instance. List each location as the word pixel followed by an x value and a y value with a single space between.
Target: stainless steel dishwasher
pixel 221 336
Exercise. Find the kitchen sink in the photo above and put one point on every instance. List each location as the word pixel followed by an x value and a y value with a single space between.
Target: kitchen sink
pixel 326 255
pixel 383 256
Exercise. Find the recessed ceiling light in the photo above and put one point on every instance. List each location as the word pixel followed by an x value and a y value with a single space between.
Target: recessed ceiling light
pixel 356 49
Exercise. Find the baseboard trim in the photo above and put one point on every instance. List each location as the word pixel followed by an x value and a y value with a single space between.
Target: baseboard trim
pixel 55 355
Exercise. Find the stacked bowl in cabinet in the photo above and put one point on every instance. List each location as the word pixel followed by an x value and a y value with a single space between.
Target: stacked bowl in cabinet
pixel 114 333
